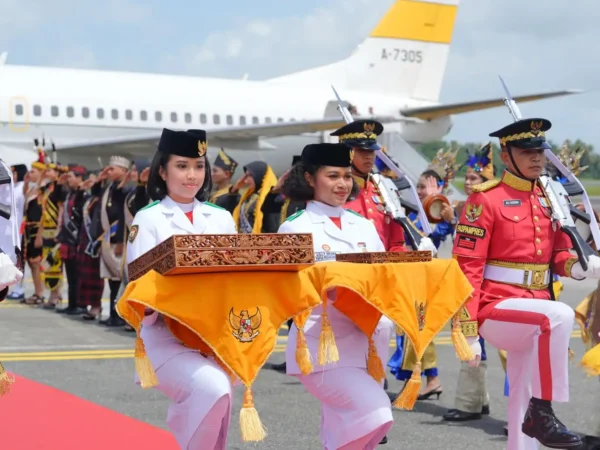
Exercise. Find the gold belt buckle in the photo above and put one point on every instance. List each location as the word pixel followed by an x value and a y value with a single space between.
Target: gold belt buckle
pixel 537 279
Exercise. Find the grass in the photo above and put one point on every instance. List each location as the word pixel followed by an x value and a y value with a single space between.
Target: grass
pixel 592 187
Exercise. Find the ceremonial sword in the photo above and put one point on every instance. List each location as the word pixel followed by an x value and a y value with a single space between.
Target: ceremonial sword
pixel 390 192
pixel 559 199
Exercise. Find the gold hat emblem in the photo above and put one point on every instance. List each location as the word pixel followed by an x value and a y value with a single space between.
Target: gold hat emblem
pixel 369 127
pixel 202 148
pixel 351 156
pixel 536 127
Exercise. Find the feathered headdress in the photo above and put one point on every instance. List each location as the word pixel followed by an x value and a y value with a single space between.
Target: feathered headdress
pixel 445 165
pixel 43 158
pixel 481 161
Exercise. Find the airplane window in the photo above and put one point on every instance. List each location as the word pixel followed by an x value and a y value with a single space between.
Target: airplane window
pixel 202 118
pixel 143 115
pixel 255 120
pixel 229 120
pixel 37 110
pixel 188 118
pixel 19 110
pixel 100 113
pixel 280 119
pixel 85 112
pixel 114 114
pixel 292 120
pixel 242 120
pixel 216 119
pixel 54 111
pixel 173 117
pixel 128 114
pixel 267 120
pixel 70 111
pixel 158 116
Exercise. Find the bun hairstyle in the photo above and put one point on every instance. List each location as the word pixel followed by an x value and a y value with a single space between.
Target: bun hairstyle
pixel 189 144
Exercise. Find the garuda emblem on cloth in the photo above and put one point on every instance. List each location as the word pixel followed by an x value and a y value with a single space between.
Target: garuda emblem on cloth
pixel 421 309
pixel 245 327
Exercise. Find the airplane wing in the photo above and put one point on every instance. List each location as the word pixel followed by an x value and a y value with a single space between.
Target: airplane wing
pixel 434 112
pixel 231 137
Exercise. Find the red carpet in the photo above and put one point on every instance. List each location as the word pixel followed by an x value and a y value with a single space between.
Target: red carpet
pixel 34 416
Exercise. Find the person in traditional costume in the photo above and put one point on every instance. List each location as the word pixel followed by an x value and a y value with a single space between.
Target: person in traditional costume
pixel 32 247
pixel 200 391
pixel 355 410
pixel 258 180
pixel 434 180
pixel 472 398
pixel 223 170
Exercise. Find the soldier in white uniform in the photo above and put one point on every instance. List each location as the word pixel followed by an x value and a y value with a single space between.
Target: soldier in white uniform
pixel 355 411
pixel 179 183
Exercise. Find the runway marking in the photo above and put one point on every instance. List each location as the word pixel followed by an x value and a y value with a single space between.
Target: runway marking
pixel 71 355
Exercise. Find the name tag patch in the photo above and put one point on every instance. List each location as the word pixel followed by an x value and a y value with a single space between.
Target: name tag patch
pixel 466 242
pixel 471 231
pixel 512 202
pixel 324 256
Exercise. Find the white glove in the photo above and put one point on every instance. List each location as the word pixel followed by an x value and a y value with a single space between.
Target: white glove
pixel 473 342
pixel 9 274
pixel 593 270
pixel 427 244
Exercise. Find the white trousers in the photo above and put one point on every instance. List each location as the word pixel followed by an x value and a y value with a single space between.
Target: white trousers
pixel 536 335
pixel 200 391
pixel 356 413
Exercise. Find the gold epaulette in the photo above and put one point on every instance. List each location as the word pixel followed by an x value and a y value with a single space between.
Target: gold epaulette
pixel 486 186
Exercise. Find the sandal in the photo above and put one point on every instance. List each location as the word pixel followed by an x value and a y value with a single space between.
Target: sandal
pixel 33 300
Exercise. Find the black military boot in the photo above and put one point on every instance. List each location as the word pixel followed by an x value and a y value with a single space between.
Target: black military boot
pixel 540 423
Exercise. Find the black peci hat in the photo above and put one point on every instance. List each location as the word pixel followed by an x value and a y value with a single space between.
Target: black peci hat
pixel 189 144
pixel 336 155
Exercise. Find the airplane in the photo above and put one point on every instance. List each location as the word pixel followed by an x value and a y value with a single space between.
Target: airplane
pixel 394 76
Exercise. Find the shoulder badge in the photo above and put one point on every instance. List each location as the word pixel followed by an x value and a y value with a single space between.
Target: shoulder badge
pixel 154 203
pixel 295 215
pixel 472 212
pixel 133 233
pixel 214 206
pixel 354 212
pixel 486 186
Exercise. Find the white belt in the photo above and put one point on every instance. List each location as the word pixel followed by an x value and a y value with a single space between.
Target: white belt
pixel 537 279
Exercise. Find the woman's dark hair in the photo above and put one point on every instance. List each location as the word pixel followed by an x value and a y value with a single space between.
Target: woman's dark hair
pixel 296 188
pixel 157 188
pixel 432 173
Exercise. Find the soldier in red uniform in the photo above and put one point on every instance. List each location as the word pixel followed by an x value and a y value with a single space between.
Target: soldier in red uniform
pixel 361 135
pixel 508 246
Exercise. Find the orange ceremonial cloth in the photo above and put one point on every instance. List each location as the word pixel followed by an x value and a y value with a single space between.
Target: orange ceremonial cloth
pixel 591 361
pixel 419 297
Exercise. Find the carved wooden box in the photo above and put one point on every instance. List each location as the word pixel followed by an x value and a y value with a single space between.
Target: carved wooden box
pixel 384 257
pixel 203 253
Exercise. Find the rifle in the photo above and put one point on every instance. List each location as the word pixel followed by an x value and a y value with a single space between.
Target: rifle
pixel 559 198
pixel 5 178
pixel 390 191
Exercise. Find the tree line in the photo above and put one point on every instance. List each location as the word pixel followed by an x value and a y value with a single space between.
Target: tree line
pixel 589 158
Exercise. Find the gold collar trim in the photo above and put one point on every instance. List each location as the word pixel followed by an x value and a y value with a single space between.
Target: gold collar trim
pixel 361 181
pixel 518 183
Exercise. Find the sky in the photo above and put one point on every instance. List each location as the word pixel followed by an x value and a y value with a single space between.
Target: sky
pixel 537 46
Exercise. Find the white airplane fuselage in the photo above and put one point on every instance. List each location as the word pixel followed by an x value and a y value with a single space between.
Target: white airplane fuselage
pixel 72 106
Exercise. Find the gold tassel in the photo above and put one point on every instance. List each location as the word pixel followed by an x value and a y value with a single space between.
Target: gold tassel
pixel 327 351
pixel 6 380
pixel 408 396
pixel 374 364
pixel 461 346
pixel 302 354
pixel 251 427
pixel 143 366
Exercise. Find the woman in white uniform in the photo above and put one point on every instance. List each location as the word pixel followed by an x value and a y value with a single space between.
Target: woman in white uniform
pixel 179 183
pixel 355 410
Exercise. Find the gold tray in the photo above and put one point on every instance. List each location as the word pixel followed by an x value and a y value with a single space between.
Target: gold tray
pixel 209 253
